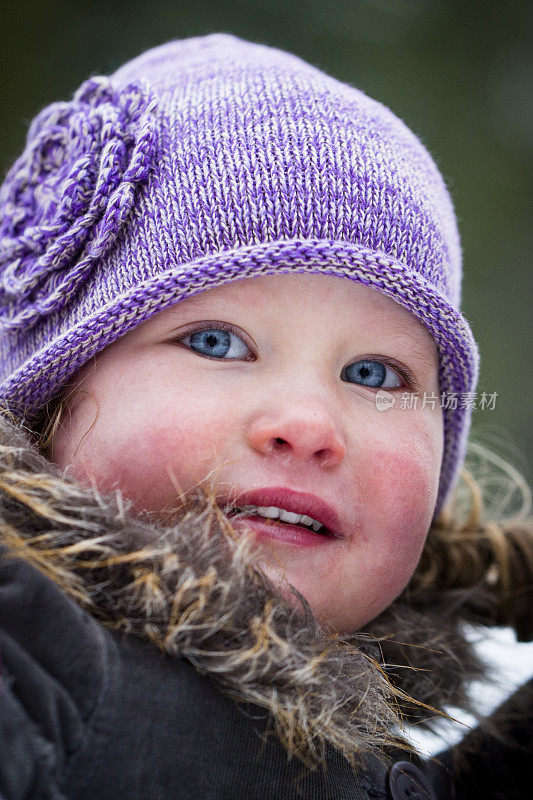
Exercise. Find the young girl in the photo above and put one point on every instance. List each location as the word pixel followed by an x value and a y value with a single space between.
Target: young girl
pixel 230 319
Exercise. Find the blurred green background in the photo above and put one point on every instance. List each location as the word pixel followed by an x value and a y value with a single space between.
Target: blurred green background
pixel 458 73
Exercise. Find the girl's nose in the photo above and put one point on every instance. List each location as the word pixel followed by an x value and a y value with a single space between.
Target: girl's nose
pixel 305 432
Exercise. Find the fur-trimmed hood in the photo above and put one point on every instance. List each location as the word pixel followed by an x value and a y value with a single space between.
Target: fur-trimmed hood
pixel 193 590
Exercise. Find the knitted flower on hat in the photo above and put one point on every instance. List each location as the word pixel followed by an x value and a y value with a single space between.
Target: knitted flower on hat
pixel 67 197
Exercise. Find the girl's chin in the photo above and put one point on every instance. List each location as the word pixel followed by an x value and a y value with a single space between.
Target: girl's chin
pixel 289 591
pixel 280 581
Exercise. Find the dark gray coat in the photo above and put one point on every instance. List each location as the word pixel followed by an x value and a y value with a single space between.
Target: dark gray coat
pixel 87 713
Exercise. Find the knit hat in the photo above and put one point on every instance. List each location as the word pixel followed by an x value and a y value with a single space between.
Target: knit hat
pixel 203 161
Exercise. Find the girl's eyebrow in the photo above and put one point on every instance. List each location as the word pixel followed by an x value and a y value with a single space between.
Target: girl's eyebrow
pixel 198 302
pixel 202 297
pixel 417 342
pixel 423 349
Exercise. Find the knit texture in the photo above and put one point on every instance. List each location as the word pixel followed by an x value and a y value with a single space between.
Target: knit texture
pixel 203 161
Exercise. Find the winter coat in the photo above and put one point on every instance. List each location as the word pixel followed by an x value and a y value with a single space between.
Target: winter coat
pixel 493 761
pixel 143 660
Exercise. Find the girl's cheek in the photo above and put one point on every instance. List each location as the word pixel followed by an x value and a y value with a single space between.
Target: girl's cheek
pixel 405 490
pixel 405 485
pixel 169 454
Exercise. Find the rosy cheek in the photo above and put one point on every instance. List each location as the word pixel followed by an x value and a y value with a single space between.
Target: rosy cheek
pixel 171 456
pixel 401 496
pixel 404 487
pixel 192 440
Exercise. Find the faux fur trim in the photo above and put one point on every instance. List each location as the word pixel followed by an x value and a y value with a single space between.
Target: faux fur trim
pixel 193 589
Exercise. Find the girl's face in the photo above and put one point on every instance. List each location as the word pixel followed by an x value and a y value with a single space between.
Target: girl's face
pixel 270 384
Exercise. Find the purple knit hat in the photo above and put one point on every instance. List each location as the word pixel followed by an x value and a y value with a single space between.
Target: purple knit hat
pixel 200 162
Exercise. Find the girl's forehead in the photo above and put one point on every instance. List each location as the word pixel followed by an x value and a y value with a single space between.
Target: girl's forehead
pixel 282 289
pixel 318 291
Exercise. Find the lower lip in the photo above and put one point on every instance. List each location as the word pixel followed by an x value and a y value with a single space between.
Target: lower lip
pixel 282 532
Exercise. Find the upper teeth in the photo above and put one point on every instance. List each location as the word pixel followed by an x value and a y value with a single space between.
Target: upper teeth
pixel 272 512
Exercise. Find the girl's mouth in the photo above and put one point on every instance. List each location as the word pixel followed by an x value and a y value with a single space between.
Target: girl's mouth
pixel 271 522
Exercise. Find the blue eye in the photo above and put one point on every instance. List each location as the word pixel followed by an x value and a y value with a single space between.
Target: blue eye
pixel 217 343
pixel 373 374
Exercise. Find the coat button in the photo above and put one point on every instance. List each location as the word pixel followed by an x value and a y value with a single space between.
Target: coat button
pixel 408 782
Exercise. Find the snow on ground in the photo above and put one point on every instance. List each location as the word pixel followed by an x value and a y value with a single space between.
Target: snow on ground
pixel 511 665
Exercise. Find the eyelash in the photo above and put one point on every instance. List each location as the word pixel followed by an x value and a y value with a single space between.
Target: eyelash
pixel 403 372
